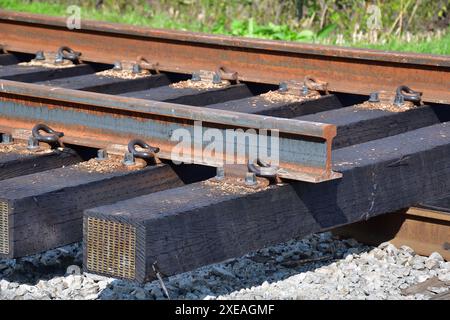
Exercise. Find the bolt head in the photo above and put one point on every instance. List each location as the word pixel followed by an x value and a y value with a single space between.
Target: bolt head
pixel 220 173
pixel 59 59
pixel 217 79
pixel 399 100
pixel 283 87
pixel 196 77
pixel 136 69
pixel 304 90
pixel 250 179
pixel 7 138
pixel 39 56
pixel 117 66
pixel 102 154
pixel 32 144
pixel 128 159
pixel 374 97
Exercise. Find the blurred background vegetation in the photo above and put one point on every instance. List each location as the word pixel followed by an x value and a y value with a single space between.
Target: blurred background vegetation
pixel 404 25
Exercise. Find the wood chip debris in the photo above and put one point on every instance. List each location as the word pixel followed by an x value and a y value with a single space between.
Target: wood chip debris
pixel 47 64
pixel 199 85
pixel 383 106
pixel 276 97
pixel 21 149
pixel 104 166
pixel 235 186
pixel 123 74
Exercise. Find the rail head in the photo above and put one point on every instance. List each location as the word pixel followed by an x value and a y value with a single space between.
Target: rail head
pixel 303 148
pixel 230 41
pixel 356 71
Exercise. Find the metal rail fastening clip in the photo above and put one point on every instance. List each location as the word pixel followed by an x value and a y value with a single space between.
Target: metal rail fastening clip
pixel 148 154
pixel 66 53
pixel 53 137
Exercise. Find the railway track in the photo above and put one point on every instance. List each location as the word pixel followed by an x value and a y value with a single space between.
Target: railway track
pixel 89 121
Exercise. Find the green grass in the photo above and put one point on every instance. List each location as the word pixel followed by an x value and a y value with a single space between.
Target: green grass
pixel 435 46
pixel 238 28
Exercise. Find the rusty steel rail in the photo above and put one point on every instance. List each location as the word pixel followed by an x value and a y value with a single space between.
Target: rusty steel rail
pixel 107 121
pixel 358 71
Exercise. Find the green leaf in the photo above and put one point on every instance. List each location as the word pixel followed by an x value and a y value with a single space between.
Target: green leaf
pixel 238 28
pixel 326 31
pixel 305 35
pixel 250 26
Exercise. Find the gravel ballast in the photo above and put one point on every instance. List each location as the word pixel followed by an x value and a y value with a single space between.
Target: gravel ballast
pixel 316 267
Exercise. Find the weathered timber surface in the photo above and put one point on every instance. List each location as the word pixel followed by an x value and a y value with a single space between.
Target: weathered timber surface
pixel 34 73
pixel 356 125
pixel 259 105
pixel 46 209
pixel 16 164
pixel 198 224
pixel 110 85
pixel 193 97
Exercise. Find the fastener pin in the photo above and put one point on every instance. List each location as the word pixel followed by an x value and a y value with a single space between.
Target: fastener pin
pixel 101 154
pixel 250 179
pixel 283 87
pixel 196 77
pixel 39 56
pixel 117 66
pixel 7 138
pixel 136 69
pixel 33 143
pixel 220 173
pixel 128 159
pixel 216 79
pixel 374 97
